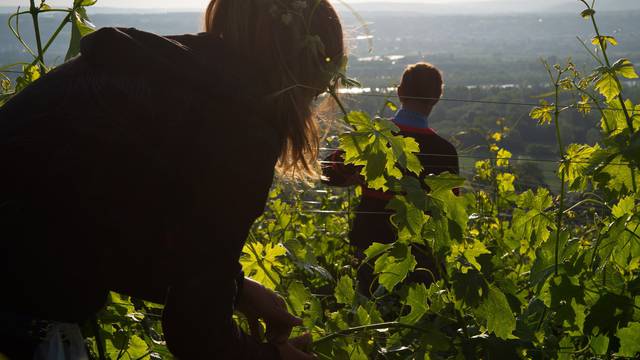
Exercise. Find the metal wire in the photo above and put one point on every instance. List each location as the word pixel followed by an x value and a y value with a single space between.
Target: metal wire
pixel 478 157
pixel 446 99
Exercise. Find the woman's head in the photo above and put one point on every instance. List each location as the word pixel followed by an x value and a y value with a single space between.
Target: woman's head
pixel 300 45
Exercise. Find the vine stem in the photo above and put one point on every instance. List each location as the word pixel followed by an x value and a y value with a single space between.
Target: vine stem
pixel 357 329
pixel 556 118
pixel 34 11
pixel 55 34
pixel 623 105
pixel 603 47
pixel 16 32
pixel 584 201
pixel 99 340
pixel 559 223
pixel 266 272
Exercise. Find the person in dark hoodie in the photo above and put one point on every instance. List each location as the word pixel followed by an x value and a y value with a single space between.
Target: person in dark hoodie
pixel 140 165
pixel 420 90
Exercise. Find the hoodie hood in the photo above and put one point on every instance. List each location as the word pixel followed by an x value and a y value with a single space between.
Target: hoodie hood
pixel 201 61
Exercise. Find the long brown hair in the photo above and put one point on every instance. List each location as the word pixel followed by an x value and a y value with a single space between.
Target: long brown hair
pixel 301 43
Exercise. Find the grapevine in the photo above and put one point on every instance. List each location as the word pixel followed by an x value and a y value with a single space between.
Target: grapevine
pixel 527 273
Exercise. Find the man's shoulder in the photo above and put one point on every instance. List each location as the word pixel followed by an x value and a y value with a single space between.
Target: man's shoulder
pixel 428 137
pixel 446 144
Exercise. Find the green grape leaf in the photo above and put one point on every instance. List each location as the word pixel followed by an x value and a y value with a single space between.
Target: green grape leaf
pixel 566 348
pixel 448 211
pixel 614 121
pixel 385 125
pixel 584 105
pixel 298 296
pixel 5 85
pixel 406 215
pixel 373 170
pixel 363 316
pixel 543 113
pixel 260 261
pixel 495 310
pixel 588 13
pixel 443 183
pixel 604 40
pixel 624 67
pixel 616 175
pixel 629 340
pixel 541 200
pixel 609 313
pixel 577 162
pixel 468 253
pixel 561 293
pixel 80 27
pixel 505 182
pixel 374 147
pixel 484 170
pixel 607 85
pixel 376 249
pixel 353 144
pixel 544 264
pixel 345 294
pixel 138 348
pixel 414 192
pixel 359 120
pixel 417 300
pixel 625 207
pixel 404 149
pixel 393 267
pixel 599 344
pixel 469 287
pixel 79 3
pixel 503 158
pixel 626 250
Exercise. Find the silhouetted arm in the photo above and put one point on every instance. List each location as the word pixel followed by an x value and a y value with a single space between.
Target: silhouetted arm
pixel 336 173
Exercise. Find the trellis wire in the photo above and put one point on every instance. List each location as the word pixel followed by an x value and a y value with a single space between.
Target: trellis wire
pixel 447 99
pixel 478 157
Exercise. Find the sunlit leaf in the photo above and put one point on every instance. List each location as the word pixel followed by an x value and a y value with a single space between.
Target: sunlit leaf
pixel 260 261
pixel 393 267
pixel 543 113
pixel 588 13
pixel 577 161
pixel 505 182
pixel 495 310
pixel 624 207
pixel 624 67
pixel 469 253
pixel 503 157
pixel 389 104
pixel 376 249
pixel 80 27
pixel 604 40
pixel 607 85
pixel 417 300
pixel 345 293
pixel 629 340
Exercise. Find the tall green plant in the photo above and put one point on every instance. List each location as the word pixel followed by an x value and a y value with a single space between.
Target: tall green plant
pixel 531 275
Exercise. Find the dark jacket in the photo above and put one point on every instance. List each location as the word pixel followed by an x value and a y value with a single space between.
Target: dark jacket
pixel 372 223
pixel 137 167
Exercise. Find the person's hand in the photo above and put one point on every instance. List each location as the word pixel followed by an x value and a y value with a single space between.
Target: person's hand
pixel 295 349
pixel 257 302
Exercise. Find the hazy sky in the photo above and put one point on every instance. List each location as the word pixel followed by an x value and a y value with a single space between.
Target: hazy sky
pixel 195 4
